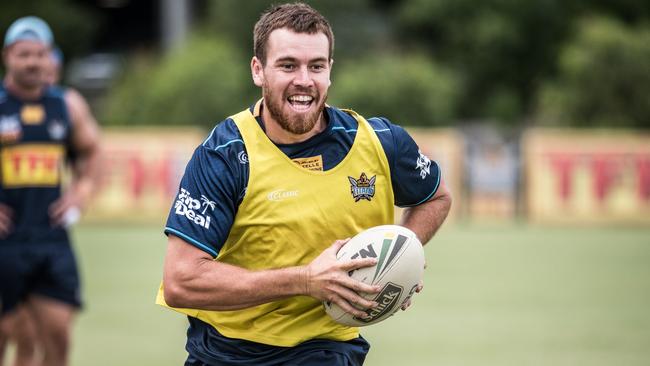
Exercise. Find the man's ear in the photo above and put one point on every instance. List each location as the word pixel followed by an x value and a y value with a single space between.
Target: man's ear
pixel 329 81
pixel 257 70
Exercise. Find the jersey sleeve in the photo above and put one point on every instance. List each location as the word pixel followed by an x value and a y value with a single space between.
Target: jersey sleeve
pixel 204 207
pixel 414 176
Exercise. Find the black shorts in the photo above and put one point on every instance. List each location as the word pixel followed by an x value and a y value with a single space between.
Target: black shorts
pixel 47 269
pixel 207 347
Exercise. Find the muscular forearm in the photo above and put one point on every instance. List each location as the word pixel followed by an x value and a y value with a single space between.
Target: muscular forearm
pixel 192 279
pixel 212 285
pixel 426 219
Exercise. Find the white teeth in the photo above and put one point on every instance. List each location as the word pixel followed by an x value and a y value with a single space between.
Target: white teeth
pixel 301 98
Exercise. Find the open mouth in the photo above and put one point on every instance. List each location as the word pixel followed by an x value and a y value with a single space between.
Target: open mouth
pixel 300 102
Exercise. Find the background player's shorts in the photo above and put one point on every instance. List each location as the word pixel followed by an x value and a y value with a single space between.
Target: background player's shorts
pixel 47 269
pixel 206 346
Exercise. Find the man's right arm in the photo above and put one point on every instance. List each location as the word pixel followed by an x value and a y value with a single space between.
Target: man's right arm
pixel 192 279
pixel 6 214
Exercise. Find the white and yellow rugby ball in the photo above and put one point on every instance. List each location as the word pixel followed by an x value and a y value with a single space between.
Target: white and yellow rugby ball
pixel 399 269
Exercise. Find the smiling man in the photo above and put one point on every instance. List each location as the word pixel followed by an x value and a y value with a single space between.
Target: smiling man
pixel 279 178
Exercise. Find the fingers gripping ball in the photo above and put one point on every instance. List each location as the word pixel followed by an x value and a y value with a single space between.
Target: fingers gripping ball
pixel 399 269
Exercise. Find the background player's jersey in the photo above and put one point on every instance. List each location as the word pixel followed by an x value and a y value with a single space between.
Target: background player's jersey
pixel 216 177
pixel 34 138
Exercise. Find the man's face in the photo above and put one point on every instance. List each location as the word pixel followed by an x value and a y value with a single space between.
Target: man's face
pixel 26 62
pixel 295 78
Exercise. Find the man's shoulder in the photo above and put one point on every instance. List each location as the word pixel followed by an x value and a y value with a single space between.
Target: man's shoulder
pixel 224 137
pixel 345 118
pixel 54 92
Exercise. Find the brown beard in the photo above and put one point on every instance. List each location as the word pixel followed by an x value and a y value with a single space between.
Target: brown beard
pixel 22 78
pixel 293 123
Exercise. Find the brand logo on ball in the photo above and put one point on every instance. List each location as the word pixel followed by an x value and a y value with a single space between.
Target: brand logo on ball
pixel 362 188
pixel 387 299
pixel 385 258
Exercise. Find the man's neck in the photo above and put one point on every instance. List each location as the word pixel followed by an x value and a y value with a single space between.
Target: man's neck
pixel 22 92
pixel 279 135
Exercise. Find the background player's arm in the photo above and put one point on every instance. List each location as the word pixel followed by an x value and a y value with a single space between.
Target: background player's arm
pixel 192 279
pixel 425 219
pixel 6 214
pixel 85 142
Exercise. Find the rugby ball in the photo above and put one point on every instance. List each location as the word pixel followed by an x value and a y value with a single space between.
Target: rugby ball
pixel 399 270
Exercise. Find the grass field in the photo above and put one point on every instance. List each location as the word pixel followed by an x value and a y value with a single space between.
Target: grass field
pixel 511 295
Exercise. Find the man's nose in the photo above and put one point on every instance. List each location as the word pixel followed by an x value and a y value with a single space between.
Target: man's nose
pixel 303 77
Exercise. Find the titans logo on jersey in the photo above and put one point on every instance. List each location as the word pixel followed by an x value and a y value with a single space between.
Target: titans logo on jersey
pixel 362 188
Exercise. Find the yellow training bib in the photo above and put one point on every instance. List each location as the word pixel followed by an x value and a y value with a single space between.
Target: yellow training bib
pixel 290 214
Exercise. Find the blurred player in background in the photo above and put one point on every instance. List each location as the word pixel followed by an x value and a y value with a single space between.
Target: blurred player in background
pixel 269 198
pixel 42 130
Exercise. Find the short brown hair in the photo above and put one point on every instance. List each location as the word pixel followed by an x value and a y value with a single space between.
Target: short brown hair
pixel 298 17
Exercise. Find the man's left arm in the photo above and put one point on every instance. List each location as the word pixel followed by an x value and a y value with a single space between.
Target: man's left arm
pixel 85 169
pixel 426 218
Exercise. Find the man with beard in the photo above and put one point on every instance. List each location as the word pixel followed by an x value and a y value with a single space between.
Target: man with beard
pixel 266 203
pixel 40 132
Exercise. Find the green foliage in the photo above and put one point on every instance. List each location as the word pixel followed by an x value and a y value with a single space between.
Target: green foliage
pixel 200 84
pixel 501 47
pixel 356 24
pixel 486 60
pixel 409 90
pixel 604 78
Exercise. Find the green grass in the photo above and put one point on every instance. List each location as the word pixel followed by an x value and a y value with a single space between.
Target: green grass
pixel 511 295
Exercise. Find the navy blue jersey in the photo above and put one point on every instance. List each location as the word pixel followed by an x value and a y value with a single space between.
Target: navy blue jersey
pixel 218 173
pixel 34 146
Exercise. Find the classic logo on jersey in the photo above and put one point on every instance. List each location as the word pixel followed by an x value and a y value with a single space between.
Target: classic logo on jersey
pixel 57 129
pixel 362 188
pixel 32 114
pixel 281 195
pixel 193 209
pixel 10 129
pixel 32 165
pixel 314 163
pixel 424 164
pixel 387 299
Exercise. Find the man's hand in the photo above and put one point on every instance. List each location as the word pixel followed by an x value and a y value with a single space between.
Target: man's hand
pixel 328 280
pixel 408 301
pixel 67 209
pixel 6 222
pixel 418 289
